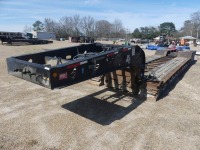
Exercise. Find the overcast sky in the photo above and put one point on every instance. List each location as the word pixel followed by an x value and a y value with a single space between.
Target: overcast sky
pixel 15 14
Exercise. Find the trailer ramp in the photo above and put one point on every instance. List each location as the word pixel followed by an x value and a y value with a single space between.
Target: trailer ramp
pixel 161 73
pixel 161 70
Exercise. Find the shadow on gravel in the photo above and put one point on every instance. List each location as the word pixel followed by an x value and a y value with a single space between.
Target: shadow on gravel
pixel 17 44
pixel 107 108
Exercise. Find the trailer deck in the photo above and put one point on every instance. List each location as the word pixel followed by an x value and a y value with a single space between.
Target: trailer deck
pixel 13 40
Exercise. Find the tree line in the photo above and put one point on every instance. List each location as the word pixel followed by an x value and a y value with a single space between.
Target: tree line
pixel 80 26
pixel 190 27
pixel 88 26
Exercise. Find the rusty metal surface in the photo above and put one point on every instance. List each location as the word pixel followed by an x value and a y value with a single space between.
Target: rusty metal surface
pixel 153 58
pixel 166 70
pixel 152 65
pixel 162 52
pixel 160 72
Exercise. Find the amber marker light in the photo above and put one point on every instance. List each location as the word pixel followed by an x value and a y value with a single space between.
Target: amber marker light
pixel 54 74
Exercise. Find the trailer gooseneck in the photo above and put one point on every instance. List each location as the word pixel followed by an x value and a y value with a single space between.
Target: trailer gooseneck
pixel 67 66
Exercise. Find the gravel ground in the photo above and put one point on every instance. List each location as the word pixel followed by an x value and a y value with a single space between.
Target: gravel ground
pixel 84 116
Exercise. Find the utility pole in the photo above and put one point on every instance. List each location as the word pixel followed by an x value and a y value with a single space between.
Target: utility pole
pixel 197 33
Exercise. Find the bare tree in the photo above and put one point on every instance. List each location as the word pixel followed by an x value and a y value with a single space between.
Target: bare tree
pixel 27 29
pixel 70 26
pixel 88 26
pixel 195 18
pixel 118 29
pixel 76 21
pixel 66 26
pixel 50 25
pixel 53 26
pixel 188 28
pixel 103 28
pixel 76 26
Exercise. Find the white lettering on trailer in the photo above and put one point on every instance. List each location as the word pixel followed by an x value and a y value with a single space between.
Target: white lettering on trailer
pixel 63 76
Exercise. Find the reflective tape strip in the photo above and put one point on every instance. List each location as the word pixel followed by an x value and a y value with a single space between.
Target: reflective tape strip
pixel 125 50
pixel 73 65
pixel 46 68
pixel 83 62
pixel 116 52
pixel 111 54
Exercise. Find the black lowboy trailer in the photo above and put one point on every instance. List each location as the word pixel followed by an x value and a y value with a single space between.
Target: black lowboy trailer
pixel 10 40
pixel 117 66
pixel 63 67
